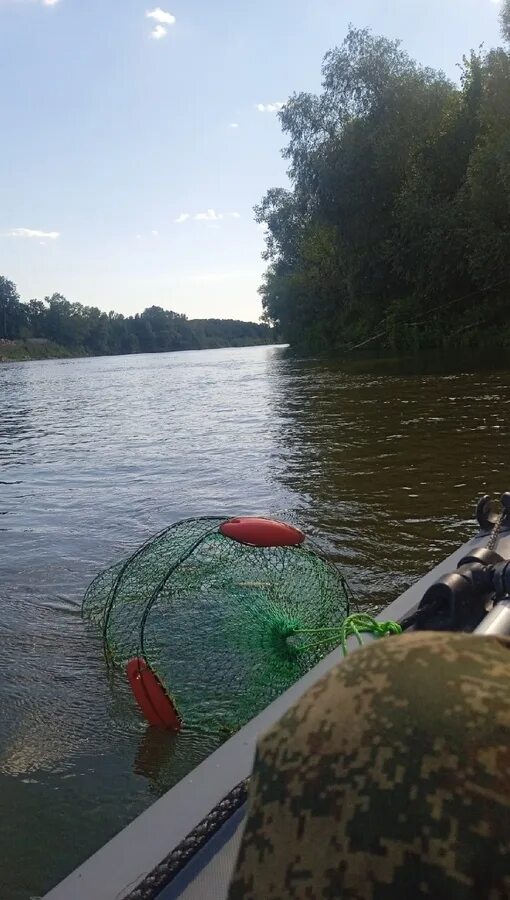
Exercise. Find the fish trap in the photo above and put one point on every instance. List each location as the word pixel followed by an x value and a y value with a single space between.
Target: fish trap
pixel 212 619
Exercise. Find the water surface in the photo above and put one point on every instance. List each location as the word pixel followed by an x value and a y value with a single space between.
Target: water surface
pixel 383 463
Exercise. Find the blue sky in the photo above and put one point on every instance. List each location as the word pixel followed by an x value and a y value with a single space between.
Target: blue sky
pixel 122 181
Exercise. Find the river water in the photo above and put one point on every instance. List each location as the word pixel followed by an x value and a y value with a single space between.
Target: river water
pixel 383 462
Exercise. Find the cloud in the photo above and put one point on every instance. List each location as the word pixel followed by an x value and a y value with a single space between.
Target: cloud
pixel 163 18
pixel 33 233
pixel 50 2
pixel 158 15
pixel 270 107
pixel 234 125
pixel 159 32
pixel 210 216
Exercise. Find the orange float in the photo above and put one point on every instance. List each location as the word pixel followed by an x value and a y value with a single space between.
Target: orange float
pixel 259 532
pixel 151 696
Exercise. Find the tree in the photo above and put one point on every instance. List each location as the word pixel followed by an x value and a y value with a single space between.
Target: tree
pixel 36 318
pixel 87 330
pixel 488 177
pixel 11 312
pixel 399 198
pixel 505 20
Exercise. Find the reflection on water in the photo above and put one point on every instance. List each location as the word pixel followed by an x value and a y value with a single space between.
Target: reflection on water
pixel 383 461
pixel 390 465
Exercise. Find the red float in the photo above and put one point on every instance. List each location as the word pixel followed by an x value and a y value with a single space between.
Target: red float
pixel 151 696
pixel 260 532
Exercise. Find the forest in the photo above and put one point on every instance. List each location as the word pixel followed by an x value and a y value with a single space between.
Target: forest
pixel 78 330
pixel 395 232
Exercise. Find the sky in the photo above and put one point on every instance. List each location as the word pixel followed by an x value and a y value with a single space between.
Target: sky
pixel 136 138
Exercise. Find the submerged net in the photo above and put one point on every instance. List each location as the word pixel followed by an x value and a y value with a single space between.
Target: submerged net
pixel 224 625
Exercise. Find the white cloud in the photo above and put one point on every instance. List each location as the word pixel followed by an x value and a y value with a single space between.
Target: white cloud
pixel 155 232
pixel 33 233
pixel 158 14
pixel 159 32
pixel 210 216
pixel 270 107
pixel 50 2
pixel 234 125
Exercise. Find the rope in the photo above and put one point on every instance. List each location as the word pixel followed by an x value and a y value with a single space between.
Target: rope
pixel 164 873
pixel 493 539
pixel 352 626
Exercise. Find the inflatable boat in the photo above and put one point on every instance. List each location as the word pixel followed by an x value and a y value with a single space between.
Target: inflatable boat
pixel 185 845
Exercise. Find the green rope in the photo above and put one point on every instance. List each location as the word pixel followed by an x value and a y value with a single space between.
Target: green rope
pixel 362 622
pixel 353 626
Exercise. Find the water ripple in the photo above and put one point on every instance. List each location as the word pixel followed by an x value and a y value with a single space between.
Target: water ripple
pixel 97 454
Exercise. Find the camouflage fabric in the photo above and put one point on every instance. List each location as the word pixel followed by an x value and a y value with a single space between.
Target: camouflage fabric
pixel 390 778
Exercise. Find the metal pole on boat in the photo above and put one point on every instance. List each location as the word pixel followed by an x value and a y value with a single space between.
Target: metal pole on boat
pixel 497 621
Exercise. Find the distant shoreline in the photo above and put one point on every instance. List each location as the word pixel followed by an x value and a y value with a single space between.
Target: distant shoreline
pixel 38 350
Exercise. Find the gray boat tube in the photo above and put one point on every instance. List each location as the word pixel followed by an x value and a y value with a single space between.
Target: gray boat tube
pixel 119 869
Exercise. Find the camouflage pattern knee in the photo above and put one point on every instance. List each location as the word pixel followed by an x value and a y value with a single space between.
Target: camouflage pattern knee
pixel 390 778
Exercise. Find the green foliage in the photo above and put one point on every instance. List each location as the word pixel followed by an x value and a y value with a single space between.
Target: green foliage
pixel 11 314
pixel 41 329
pixel 398 220
pixel 229 333
pixel 505 20
pixel 30 348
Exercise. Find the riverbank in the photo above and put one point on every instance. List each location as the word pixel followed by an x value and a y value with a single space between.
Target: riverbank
pixel 36 348
pixel 40 348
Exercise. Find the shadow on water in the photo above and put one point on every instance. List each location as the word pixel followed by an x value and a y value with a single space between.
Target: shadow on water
pixel 432 363
pixel 391 456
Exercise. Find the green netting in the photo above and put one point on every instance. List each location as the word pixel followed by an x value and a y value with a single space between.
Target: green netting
pixel 218 621
pixel 117 598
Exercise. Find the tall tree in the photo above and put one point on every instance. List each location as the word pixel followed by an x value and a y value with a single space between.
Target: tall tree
pixel 11 313
pixel 505 20
pixel 399 198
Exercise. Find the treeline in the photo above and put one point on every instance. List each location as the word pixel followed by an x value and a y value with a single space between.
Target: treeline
pixel 85 329
pixel 397 226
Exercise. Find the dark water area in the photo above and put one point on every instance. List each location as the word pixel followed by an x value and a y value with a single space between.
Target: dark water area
pixel 382 460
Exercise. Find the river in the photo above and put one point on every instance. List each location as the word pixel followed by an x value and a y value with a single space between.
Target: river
pixel 384 463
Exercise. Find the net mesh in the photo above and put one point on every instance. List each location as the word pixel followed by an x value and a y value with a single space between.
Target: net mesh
pixel 222 624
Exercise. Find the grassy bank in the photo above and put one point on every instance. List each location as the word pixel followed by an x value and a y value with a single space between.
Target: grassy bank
pixel 21 351
pixel 38 348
